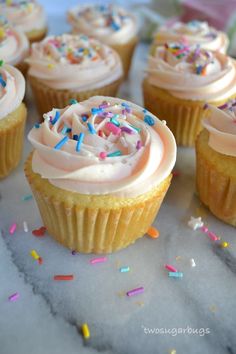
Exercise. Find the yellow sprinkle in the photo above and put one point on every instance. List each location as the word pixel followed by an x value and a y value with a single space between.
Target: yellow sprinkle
pixel 213 308
pixel 85 331
pixel 224 244
pixel 178 258
pixel 121 294
pixel 2 32
pixel 173 351
pixel 139 303
pixel 34 254
pixel 86 51
pixel 51 66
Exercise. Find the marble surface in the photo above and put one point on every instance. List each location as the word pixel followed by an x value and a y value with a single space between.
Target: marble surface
pixel 48 315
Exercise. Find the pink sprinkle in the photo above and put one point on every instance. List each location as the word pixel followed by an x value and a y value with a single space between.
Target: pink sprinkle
pixel 103 155
pixel 212 236
pixel 175 173
pixel 135 291
pixel 14 297
pixel 204 229
pixel 139 145
pixel 98 260
pixel 170 268
pixel 12 228
pixel 113 128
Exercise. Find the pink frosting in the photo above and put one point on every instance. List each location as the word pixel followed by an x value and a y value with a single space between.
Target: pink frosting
pixel 142 155
pixel 14 45
pixel 221 124
pixel 74 62
pixel 25 15
pixel 192 33
pixel 192 73
pixel 12 89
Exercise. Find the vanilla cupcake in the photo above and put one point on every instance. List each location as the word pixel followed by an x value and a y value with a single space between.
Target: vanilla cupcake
pixel 180 80
pixel 216 162
pixel 72 67
pixel 27 16
pixel 191 33
pixel 99 172
pixel 12 118
pixel 14 45
pixel 110 24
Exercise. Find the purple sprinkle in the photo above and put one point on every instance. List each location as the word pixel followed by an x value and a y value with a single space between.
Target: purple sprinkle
pixel 14 297
pixel 127 130
pixel 205 106
pixel 135 291
pixel 104 105
pixel 223 106
pixel 139 145
pixel 73 253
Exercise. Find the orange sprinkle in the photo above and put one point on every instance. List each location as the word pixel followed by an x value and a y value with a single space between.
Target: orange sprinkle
pixel 95 58
pixel 63 277
pixel 153 232
pixel 204 71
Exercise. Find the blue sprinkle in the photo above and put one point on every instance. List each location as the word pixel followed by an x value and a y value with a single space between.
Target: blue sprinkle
pixel 84 118
pixel 124 269
pixel 37 125
pixel 115 153
pixel 61 143
pixel 76 137
pixel 2 82
pixel 80 140
pixel 115 27
pixel 73 101
pixel 91 129
pixel 96 110
pixel 56 117
pixel 199 69
pixel 65 130
pixel 144 110
pixel 149 120
pixel 26 197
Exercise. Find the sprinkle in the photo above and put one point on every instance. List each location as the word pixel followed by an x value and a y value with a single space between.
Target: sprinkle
pixel 124 269
pixel 127 130
pixel 113 128
pixel 1 63
pixel 153 232
pixel 115 26
pixel 103 155
pixel 84 117
pixel 56 117
pixel 65 130
pixel 149 120
pixel 223 106
pixel 176 275
pixel 2 82
pixel 139 145
pixel 73 253
pixel 50 66
pixel 14 297
pixel 79 142
pixel 75 137
pixel 224 244
pixel 175 173
pixel 40 260
pixel 61 143
pixel 63 277
pixel 170 268
pixel 173 351
pixel 96 110
pixel 212 236
pixel 195 223
pixel 115 122
pixel 37 126
pixel 26 197
pixel 135 291
pixel 25 226
pixel 104 105
pixel 39 232
pixel 206 106
pixel 91 128
pixel 204 229
pixel 115 153
pixel 98 260
pixel 73 101
pixel 135 128
pixel 85 331
pixel 12 228
pixel 34 254
pixel 192 262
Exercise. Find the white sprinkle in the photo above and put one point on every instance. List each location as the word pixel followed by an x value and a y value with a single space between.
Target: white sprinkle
pixel 192 262
pixel 195 223
pixel 25 226
pixel 163 122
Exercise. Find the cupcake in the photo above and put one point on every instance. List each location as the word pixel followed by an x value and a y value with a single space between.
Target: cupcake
pixel 192 33
pixel 180 80
pixel 72 67
pixel 27 16
pixel 110 24
pixel 216 162
pixel 12 118
pixel 99 172
pixel 14 45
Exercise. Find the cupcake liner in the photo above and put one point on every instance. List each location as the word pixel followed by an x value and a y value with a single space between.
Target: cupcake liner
pixel 94 223
pixel 23 67
pixel 183 117
pixel 47 98
pixel 11 139
pixel 36 35
pixel 125 52
pixel 216 180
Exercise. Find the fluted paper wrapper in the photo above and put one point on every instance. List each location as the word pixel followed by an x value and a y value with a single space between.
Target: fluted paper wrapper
pixel 36 35
pixel 47 98
pixel 11 139
pixel 94 223
pixel 183 117
pixel 216 180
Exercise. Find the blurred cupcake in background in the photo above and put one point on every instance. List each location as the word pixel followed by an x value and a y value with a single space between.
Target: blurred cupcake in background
pixel 27 16
pixel 68 67
pixel 180 80
pixel 110 24
pixel 14 45
pixel 191 33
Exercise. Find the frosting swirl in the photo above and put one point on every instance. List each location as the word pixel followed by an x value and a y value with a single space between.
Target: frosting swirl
pixel 14 45
pixel 74 62
pixel 12 89
pixel 192 73
pixel 221 125
pixel 109 23
pixel 192 33
pixel 103 146
pixel 25 15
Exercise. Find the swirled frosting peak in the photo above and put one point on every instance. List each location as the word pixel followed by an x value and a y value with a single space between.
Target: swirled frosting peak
pixel 14 45
pixel 221 125
pixel 192 72
pixel 25 15
pixel 103 146
pixel 193 32
pixel 74 62
pixel 109 23
pixel 12 89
